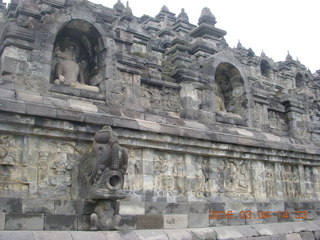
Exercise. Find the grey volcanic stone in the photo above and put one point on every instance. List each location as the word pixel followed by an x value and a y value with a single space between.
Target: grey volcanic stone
pixel 24 222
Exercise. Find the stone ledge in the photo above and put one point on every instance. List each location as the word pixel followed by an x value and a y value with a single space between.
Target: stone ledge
pixel 213 144
pixel 165 125
pixel 285 231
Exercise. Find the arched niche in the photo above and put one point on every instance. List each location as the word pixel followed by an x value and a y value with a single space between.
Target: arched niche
pixel 82 42
pixel 299 80
pixel 265 67
pixel 229 90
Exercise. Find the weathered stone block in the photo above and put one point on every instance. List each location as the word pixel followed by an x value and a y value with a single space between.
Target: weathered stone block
pixel 259 238
pixel 82 106
pixel 56 102
pixel 178 208
pixel 149 196
pixel 50 236
pixel 176 221
pixel 92 235
pixel 227 233
pixel 278 237
pixel 13 65
pixel 317 235
pixel 28 97
pixel 64 207
pixel 11 205
pixel 60 222
pixel 265 229
pixel 198 220
pixel 216 222
pixel 24 222
pixel 299 227
pixel 4 93
pixel 17 235
pixel 83 223
pixel 132 208
pixel 126 123
pixel 13 106
pixel 149 126
pixel 178 234
pixel 70 115
pixel 293 236
pixel 65 90
pixel 2 221
pixel 236 220
pixel 41 110
pixel 150 222
pixel 151 234
pixel 98 119
pixel 254 219
pixel 156 208
pixel 247 231
pixel 37 206
pixel 217 207
pixel 307 236
pixel 128 222
pixel 92 94
pixel 198 208
pixel 171 130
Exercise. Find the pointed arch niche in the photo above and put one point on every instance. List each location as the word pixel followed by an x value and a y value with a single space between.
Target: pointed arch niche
pixel 230 94
pixel 87 47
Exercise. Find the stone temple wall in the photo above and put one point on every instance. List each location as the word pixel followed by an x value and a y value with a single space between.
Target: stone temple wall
pixel 215 135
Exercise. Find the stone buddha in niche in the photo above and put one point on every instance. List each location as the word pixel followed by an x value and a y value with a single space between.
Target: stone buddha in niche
pixel 67 71
pixel 220 106
pixel 218 101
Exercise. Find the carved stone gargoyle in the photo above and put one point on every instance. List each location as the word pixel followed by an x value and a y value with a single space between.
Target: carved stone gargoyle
pixel 103 171
pixel 109 167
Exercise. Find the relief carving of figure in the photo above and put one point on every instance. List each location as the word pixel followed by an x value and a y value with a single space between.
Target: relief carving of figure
pixel 236 177
pixel 270 190
pixel 67 70
pixel 287 181
pixel 201 178
pixel 134 174
pixel 295 181
pixel 308 182
pixel 179 175
pixel 164 180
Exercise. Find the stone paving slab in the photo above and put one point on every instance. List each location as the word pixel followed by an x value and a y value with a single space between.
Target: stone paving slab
pixel 248 232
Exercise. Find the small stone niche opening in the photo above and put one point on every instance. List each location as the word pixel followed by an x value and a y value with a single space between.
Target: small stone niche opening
pixel 78 54
pixel 229 90
pixel 265 67
pixel 299 80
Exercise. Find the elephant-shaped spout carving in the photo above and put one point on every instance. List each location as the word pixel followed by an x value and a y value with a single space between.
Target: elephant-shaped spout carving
pixel 111 161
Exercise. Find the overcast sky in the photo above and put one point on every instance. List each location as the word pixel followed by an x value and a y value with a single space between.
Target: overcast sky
pixel 274 26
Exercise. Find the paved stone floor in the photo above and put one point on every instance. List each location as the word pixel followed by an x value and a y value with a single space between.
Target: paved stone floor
pixel 275 231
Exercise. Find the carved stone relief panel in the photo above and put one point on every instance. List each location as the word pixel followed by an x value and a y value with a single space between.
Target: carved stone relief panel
pixel 155 98
pixel 308 182
pixel 198 173
pixel 290 180
pixel 8 151
pixel 134 175
pixel 278 122
pixel 237 178
pixel 12 183
pixel 270 180
pixel 55 165
pixel 169 174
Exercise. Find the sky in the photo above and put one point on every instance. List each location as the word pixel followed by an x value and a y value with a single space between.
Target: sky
pixel 274 26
